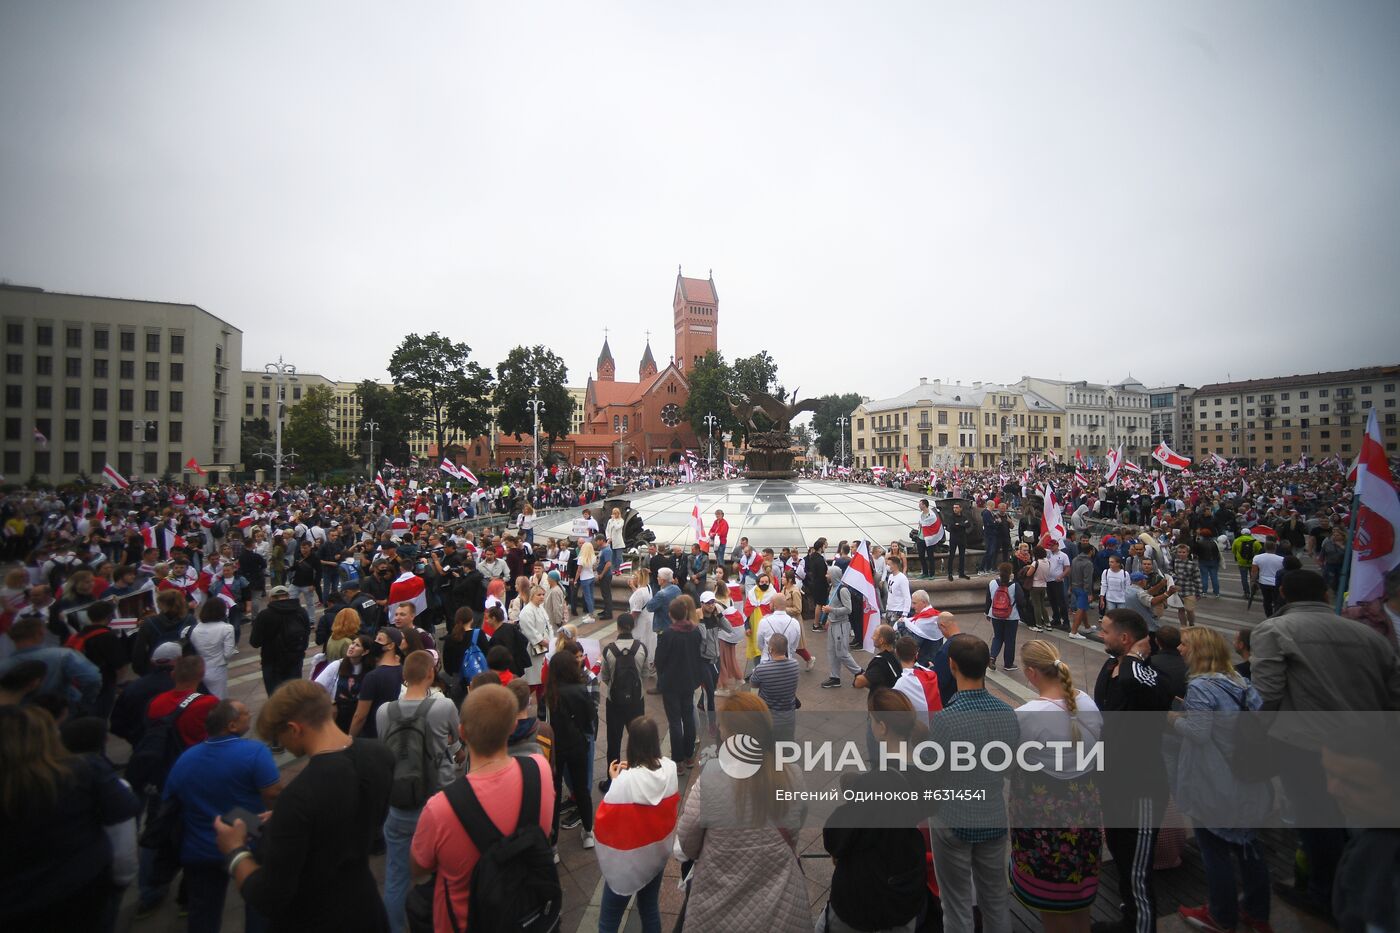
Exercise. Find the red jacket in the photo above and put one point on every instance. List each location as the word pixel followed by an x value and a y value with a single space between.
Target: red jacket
pixel 720 529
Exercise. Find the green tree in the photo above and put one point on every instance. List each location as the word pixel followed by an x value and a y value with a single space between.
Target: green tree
pixel 256 435
pixel 446 388
pixel 755 375
pixel 825 425
pixel 389 410
pixel 308 432
pixel 711 381
pixel 516 375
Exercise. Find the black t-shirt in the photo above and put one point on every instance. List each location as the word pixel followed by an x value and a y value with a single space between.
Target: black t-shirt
pixel 305 571
pixel 883 671
pixel 380 686
pixel 313 860
pixel 371 616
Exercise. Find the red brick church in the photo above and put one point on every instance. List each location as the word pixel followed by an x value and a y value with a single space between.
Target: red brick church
pixel 631 422
pixel 645 417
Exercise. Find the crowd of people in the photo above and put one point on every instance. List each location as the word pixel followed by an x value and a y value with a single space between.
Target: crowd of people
pixel 427 654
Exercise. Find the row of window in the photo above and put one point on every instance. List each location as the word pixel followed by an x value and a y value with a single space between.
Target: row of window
pixel 101 338
pixel 1035 442
pixel 73 399
pixel 1343 392
pixel 267 391
pixel 73 368
pixel 127 430
pixel 1099 398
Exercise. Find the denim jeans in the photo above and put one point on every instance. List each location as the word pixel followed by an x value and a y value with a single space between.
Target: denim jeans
pixel 1244 579
pixel 648 907
pixel 307 596
pixel 719 554
pixel 1218 859
pixel 207 884
pixel 398 835
pixel 1210 577
pixel 586 589
pixel 1004 634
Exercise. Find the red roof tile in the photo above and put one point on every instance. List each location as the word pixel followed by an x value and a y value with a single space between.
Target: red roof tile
pixel 701 290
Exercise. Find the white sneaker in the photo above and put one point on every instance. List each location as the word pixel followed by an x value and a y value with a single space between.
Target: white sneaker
pixel 1078 636
pixel 556 855
pixel 811 663
pixel 587 839
pixel 586 620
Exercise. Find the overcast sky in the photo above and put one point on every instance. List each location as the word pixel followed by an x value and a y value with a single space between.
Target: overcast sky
pixel 884 191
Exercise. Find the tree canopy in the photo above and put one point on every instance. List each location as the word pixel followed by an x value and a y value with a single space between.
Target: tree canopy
pixel 390 411
pixel 308 432
pixel 713 382
pixel 516 375
pixel 825 425
pixel 446 389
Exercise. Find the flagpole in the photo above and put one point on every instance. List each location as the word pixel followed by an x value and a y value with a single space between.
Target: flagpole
pixel 1345 579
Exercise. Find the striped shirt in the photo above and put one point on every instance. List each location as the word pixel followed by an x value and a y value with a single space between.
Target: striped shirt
pixel 776 681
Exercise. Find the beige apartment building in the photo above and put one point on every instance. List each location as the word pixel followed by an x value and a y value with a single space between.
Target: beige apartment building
pixel 260 395
pixel 939 425
pixel 89 380
pixel 1288 417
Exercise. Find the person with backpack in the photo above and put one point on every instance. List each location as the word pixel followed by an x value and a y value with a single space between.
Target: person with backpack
pixel 281 632
pixel 68 673
pixel 483 840
pixel 624 669
pixel 637 828
pixel 1001 610
pixel 311 870
pixel 1244 547
pixel 838 630
pixel 421 731
pixel 174 721
pixel 167 625
pixel 100 645
pixel 463 653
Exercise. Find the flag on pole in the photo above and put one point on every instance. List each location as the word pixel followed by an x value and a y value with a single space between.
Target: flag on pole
pixel 860 576
pixel 1080 479
pixel 193 464
pixel 110 474
pixel 450 468
pixel 1244 487
pixel 1079 456
pixel 1052 520
pixel 1219 460
pixel 702 536
pixel 906 462
pixel 687 472
pixel 1169 458
pixel 379 481
pixel 1132 467
pixel 40 440
pixel 1114 460
pixel 468 475
pixel 1373 552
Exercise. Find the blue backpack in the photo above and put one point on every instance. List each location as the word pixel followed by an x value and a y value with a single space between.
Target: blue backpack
pixel 474 661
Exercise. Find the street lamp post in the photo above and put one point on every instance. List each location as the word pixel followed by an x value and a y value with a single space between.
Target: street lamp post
pixel 279 372
pixel 710 422
pixel 373 426
pixel 841 423
pixel 536 405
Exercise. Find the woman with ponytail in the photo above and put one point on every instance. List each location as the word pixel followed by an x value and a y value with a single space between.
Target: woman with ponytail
pixel 1055 812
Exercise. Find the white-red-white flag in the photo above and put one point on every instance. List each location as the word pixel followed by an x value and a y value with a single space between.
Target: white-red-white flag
pixel 1244 487
pixel 40 440
pixel 860 576
pixel 1132 467
pixel 931 527
pixel 110 474
pixel 1169 458
pixel 697 519
pixel 1219 460
pixel 1052 519
pixel 1114 461
pixel 410 589
pixel 467 475
pixel 1079 456
pixel 450 468
pixel 1373 552
pixel 1159 485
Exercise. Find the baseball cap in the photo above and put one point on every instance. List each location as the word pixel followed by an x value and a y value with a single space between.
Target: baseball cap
pixel 707 597
pixel 277 591
pixel 1137 575
pixel 169 651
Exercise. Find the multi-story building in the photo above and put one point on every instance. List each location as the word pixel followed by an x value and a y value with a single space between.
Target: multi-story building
pixel 142 385
pixel 1100 417
pixel 260 396
pixel 1286 418
pixel 1170 419
pixel 939 425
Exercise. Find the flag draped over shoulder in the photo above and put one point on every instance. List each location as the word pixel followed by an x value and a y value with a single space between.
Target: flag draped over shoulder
pixel 408 589
pixel 635 826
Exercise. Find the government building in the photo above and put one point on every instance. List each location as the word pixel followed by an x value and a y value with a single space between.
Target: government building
pixel 142 385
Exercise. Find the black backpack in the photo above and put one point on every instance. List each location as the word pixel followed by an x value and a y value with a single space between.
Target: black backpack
pixel 160 744
pixel 515 884
pixel 626 686
pixel 415 771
